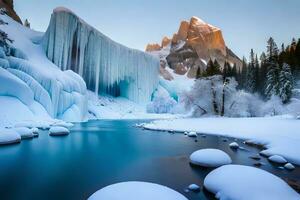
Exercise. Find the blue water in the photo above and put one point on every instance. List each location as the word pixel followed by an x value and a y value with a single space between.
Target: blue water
pixel 100 153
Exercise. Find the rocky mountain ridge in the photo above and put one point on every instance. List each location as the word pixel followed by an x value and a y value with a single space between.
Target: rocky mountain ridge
pixel 195 43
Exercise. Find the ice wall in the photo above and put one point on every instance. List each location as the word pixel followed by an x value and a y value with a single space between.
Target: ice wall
pixel 106 66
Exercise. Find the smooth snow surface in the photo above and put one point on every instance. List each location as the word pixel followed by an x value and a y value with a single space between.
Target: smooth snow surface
pixel 108 107
pixel 106 66
pixel 9 136
pixel 278 134
pixel 136 191
pixel 247 183
pixel 58 130
pixel 210 158
pixel 277 159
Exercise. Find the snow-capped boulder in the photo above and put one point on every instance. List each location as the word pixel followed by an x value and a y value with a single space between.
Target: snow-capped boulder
pixel 35 132
pixel 136 191
pixel 210 158
pixel 58 131
pixel 234 145
pixel 194 187
pixel 247 183
pixel 63 124
pixel 24 132
pixel 277 159
pixel 289 166
pixel 192 134
pixel 9 136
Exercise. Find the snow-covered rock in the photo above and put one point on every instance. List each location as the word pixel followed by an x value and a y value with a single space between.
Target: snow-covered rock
pixel 289 166
pixel 192 134
pixel 277 159
pixel 194 187
pixel 58 131
pixel 25 133
pixel 136 191
pixel 234 145
pixel 9 136
pixel 63 124
pixel 35 132
pixel 210 158
pixel 247 183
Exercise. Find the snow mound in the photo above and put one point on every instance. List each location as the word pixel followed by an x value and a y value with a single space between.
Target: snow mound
pixel 192 134
pixel 136 191
pixel 210 158
pixel 247 183
pixel 277 159
pixel 234 145
pixel 289 166
pixel 194 187
pixel 24 132
pixel 9 136
pixel 58 131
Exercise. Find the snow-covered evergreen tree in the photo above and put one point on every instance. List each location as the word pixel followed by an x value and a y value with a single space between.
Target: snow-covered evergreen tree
pixel 272 82
pixel 286 83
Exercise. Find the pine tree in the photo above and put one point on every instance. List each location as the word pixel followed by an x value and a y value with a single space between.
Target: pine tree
pixel 4 39
pixel 297 55
pixel 26 23
pixel 213 68
pixel 286 83
pixel 272 82
pixel 244 73
pixel 250 78
pixel 263 69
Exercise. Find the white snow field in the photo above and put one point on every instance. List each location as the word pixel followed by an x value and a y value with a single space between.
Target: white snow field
pixel 9 136
pixel 106 66
pixel 247 183
pixel 210 158
pixel 37 89
pixel 58 131
pixel 279 135
pixel 136 191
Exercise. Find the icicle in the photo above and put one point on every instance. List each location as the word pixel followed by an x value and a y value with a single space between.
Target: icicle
pixel 106 66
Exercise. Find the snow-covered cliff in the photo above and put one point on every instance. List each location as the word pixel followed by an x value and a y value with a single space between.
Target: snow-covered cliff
pixel 106 66
pixel 31 86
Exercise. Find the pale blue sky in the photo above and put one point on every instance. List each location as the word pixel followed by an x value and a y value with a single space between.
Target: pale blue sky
pixel 246 24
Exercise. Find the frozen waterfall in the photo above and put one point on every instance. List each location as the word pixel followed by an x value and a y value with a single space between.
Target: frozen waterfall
pixel 106 66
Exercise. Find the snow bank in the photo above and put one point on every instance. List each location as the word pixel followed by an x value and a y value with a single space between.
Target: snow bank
pixel 136 191
pixel 278 134
pixel 106 66
pixel 58 131
pixel 247 183
pixel 210 158
pixel 9 136
pixel 24 132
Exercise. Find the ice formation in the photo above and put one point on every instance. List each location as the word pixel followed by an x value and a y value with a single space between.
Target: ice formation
pixel 106 66
pixel 32 85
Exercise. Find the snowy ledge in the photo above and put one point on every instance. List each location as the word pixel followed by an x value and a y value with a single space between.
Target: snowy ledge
pixel 279 135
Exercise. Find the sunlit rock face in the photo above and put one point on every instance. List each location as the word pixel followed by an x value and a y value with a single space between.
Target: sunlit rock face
pixel 193 45
pixel 153 47
pixel 106 66
pixel 9 6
